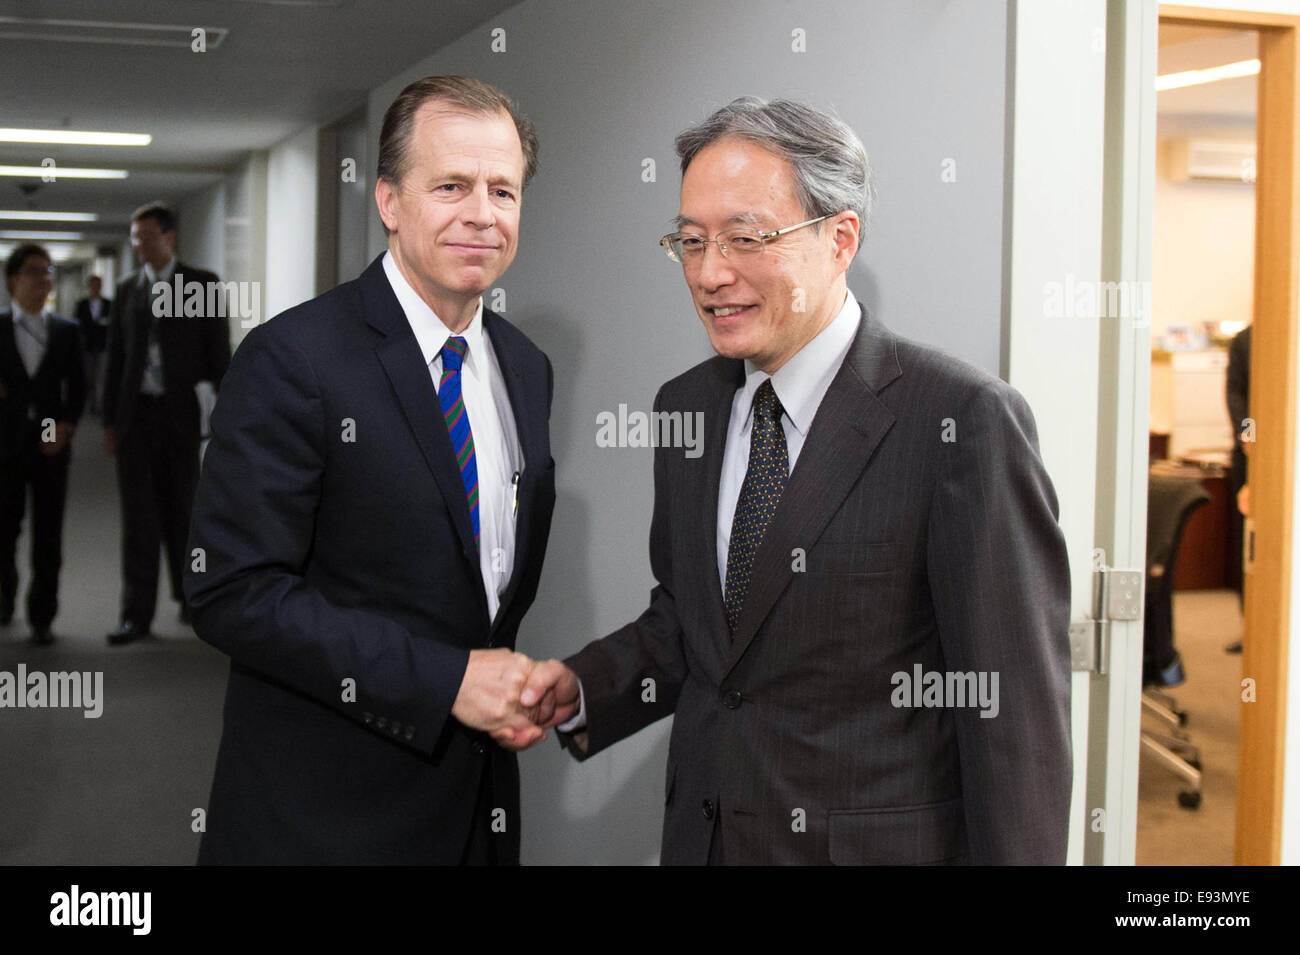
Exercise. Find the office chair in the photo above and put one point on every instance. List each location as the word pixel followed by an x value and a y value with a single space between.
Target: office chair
pixel 1170 502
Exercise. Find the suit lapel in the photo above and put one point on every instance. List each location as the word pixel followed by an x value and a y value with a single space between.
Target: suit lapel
pixel 848 426
pixel 525 404
pixel 399 354
pixel 720 393
pixel 136 320
pixel 11 359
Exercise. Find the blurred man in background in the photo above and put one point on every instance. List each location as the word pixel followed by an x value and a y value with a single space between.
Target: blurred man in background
pixel 156 357
pixel 92 318
pixel 42 394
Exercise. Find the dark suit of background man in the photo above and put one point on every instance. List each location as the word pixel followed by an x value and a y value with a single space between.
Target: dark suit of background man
pixel 92 318
pixel 865 506
pixel 1237 392
pixel 374 508
pixel 42 393
pixel 151 411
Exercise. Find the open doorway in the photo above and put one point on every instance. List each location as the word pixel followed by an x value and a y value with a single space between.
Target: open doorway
pixel 1275 335
pixel 1201 311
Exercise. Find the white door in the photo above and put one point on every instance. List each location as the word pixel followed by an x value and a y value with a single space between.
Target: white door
pixel 1080 215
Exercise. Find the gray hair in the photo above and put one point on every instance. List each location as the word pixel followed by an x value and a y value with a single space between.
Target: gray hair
pixel 831 170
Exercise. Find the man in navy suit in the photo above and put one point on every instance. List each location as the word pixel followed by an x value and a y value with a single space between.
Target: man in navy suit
pixel 42 394
pixel 158 354
pixel 91 314
pixel 370 524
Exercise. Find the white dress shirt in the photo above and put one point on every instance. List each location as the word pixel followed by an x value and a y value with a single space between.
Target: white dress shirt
pixel 800 385
pixel 151 381
pixel 492 422
pixel 31 333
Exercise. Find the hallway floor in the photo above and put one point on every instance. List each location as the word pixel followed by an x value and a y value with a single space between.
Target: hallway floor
pixel 122 789
pixel 119 789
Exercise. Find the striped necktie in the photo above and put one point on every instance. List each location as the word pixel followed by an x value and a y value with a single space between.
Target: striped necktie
pixel 453 412
pixel 765 477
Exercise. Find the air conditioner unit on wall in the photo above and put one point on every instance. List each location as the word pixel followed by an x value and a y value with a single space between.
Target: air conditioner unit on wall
pixel 1202 159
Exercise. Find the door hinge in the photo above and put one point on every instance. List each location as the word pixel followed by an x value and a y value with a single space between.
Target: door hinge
pixel 1116 595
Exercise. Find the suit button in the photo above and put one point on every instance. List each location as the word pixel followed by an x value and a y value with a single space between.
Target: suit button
pixel 479 747
pixel 731 699
pixel 707 809
pixel 410 733
pixel 381 722
pixel 395 727
pixel 367 718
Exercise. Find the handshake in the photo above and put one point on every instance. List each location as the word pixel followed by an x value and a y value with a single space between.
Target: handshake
pixel 513 698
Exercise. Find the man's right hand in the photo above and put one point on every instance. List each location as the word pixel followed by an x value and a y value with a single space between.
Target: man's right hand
pixel 110 440
pixel 489 697
pixel 552 693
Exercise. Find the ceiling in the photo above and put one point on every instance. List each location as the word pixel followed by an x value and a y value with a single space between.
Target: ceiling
pixel 271 68
pixel 1222 108
pixel 275 66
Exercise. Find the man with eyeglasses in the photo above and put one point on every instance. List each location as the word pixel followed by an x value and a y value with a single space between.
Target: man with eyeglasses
pixel 42 395
pixel 861 618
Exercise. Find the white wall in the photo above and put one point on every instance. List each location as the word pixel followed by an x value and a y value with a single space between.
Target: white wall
pixel 203 229
pixel 291 222
pixel 1204 253
pixel 609 86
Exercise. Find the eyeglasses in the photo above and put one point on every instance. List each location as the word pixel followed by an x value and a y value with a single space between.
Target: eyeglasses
pixel 688 248
pixel 37 271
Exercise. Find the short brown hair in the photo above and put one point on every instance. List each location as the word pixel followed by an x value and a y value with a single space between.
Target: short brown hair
pixel 159 212
pixel 465 92
pixel 19 256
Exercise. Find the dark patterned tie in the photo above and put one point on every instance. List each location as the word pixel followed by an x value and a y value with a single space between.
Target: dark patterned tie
pixel 769 468
pixel 453 412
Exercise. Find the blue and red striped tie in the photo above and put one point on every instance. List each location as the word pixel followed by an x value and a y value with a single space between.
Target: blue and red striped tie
pixel 453 412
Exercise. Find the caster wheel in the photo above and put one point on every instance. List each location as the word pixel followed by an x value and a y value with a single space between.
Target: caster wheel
pixel 1189 800
pixel 1182 717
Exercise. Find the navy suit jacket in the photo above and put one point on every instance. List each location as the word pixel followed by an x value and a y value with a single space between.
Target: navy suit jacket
pixel 94 336
pixel 341 577
pixel 194 348
pixel 57 390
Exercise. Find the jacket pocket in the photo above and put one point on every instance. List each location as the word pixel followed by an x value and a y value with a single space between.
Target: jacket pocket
pixel 908 835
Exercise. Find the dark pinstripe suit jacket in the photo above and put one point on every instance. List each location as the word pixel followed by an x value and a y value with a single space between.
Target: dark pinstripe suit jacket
pixel 916 551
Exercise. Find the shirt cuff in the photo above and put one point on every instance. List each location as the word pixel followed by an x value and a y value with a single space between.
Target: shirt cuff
pixel 579 720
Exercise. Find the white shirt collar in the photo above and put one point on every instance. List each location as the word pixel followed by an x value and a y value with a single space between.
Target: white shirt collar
pixel 21 313
pixel 801 382
pixel 430 331
pixel 164 276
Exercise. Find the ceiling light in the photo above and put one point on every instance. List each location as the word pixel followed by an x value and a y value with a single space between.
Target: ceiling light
pixel 73 137
pixel 1229 71
pixel 49 216
pixel 61 172
pixel 29 235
